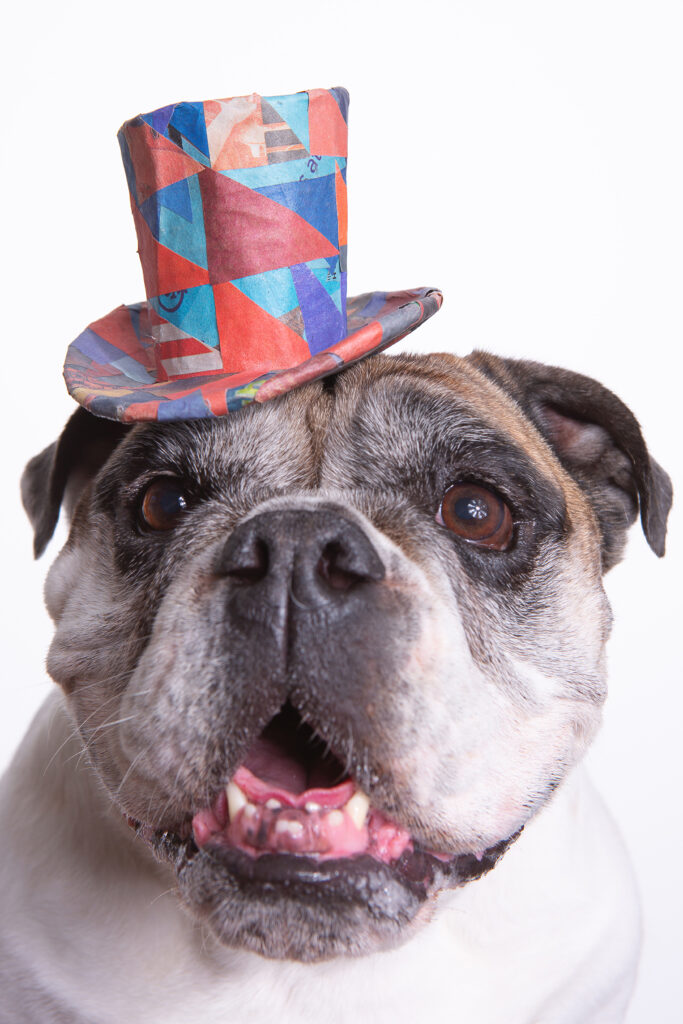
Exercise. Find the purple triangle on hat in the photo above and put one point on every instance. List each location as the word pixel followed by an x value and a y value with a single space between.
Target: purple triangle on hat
pixel 159 119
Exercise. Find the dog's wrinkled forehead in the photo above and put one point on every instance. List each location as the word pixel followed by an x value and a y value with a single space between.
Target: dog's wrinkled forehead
pixel 409 430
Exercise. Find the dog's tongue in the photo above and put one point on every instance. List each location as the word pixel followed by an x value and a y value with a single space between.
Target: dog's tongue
pixel 268 761
pixel 288 757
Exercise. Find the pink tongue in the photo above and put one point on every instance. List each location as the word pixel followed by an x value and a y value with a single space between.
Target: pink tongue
pixel 267 761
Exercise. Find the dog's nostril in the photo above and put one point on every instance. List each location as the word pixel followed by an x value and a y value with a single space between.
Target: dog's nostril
pixel 249 563
pixel 336 569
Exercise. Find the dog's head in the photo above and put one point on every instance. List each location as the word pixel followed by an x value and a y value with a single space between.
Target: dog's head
pixel 329 654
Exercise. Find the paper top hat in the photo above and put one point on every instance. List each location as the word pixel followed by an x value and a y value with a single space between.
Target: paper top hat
pixel 240 212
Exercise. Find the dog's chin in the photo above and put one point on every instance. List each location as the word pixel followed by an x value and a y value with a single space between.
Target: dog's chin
pixel 292 861
pixel 297 907
pixel 291 906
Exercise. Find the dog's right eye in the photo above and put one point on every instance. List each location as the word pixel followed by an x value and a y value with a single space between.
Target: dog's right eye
pixel 478 515
pixel 163 504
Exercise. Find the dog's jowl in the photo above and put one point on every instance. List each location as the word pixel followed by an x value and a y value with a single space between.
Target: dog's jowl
pixel 326 669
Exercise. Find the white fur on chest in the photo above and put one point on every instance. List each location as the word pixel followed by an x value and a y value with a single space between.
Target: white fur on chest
pixel 89 924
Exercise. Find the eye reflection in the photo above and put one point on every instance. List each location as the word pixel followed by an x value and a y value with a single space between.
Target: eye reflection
pixel 163 503
pixel 478 515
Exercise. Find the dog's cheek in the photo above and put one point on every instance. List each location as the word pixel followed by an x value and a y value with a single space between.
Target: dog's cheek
pixel 480 763
pixel 60 582
pixel 179 708
pixel 494 712
pixel 92 613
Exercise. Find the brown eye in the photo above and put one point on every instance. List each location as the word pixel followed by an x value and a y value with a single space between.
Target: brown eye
pixel 163 503
pixel 478 515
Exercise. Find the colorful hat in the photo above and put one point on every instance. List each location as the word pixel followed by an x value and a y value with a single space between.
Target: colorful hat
pixel 240 212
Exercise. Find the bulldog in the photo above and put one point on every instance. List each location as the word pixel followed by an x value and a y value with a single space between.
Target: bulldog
pixel 326 670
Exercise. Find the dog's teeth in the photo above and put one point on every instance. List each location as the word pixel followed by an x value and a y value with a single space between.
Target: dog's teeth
pixel 273 804
pixel 311 806
pixel 335 818
pixel 357 808
pixel 236 799
pixel 250 810
pixel 294 828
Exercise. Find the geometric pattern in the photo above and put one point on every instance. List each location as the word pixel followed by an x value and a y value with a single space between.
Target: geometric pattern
pixel 120 380
pixel 240 210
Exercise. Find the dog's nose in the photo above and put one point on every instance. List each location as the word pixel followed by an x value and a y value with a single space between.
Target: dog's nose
pixel 316 556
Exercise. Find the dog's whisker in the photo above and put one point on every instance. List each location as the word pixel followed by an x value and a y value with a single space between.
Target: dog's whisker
pixel 167 892
pixel 172 788
pixel 74 643
pixel 76 732
pixel 109 725
pixel 130 768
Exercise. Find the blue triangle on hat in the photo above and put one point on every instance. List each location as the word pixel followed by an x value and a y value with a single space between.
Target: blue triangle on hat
pixel 150 211
pixel 325 325
pixel 195 153
pixel 330 281
pixel 272 290
pixel 373 307
pixel 188 407
pixel 276 174
pixel 176 197
pixel 158 119
pixel 134 313
pixel 342 98
pixel 328 272
pixel 179 229
pixel 188 121
pixel 196 313
pixel 314 199
pixel 293 110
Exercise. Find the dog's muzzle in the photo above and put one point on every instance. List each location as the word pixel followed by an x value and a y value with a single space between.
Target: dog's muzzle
pixel 305 817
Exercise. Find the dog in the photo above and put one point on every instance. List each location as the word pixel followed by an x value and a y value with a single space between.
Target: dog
pixel 327 669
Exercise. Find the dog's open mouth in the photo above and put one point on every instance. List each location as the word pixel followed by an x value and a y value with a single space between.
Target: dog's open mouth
pixel 291 812
pixel 292 860
pixel 292 795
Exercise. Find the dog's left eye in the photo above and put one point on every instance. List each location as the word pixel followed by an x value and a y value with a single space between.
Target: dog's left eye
pixel 163 503
pixel 478 515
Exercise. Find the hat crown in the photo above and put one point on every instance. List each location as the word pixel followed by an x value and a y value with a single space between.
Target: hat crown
pixel 240 211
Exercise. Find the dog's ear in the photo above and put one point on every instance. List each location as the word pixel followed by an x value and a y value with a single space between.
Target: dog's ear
pixel 598 440
pixel 59 473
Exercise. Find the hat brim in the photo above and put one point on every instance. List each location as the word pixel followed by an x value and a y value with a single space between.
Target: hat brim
pixel 110 368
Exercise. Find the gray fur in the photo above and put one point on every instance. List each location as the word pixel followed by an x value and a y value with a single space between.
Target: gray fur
pixel 459 689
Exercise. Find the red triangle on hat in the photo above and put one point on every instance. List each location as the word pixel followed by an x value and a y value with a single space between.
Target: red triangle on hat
pixel 248 233
pixel 342 214
pixel 262 341
pixel 117 328
pixel 157 161
pixel 164 270
pixel 327 129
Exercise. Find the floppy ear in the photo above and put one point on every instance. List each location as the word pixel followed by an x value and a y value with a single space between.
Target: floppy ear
pixel 60 471
pixel 598 440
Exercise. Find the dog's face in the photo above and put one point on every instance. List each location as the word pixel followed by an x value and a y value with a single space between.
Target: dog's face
pixel 373 612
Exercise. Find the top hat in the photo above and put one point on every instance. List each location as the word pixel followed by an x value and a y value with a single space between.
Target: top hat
pixel 240 212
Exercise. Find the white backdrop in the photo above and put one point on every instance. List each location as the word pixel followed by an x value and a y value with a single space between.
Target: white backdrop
pixel 525 157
